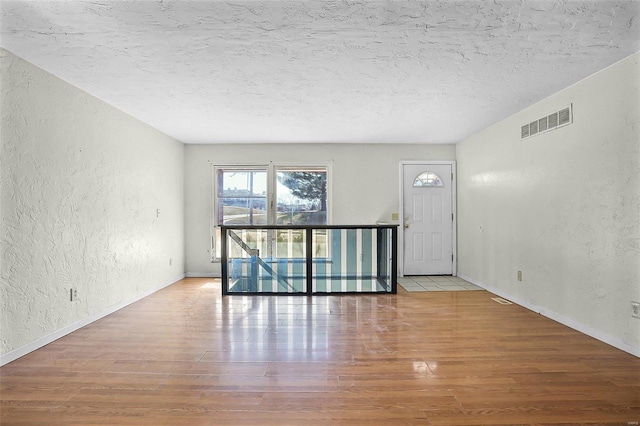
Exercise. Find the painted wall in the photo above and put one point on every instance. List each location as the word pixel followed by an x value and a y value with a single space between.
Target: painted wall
pixel 365 185
pixel 81 183
pixel 563 207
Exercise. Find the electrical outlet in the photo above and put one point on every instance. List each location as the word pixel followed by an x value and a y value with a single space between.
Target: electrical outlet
pixel 395 216
pixel 519 275
pixel 74 294
pixel 635 309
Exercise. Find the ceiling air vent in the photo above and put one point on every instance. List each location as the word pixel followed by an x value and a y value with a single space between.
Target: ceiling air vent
pixel 547 123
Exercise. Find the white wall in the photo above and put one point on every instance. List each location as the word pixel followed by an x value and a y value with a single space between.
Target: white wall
pixel 80 186
pixel 563 207
pixel 365 183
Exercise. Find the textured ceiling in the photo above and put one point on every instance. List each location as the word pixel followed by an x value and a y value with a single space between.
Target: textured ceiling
pixel 321 71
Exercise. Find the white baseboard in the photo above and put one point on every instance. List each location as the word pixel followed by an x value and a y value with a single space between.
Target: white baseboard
pixel 203 275
pixel 45 340
pixel 562 319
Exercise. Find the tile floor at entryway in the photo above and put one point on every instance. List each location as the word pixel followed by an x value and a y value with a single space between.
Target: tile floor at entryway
pixel 436 283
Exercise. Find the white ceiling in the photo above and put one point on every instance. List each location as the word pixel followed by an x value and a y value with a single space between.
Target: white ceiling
pixel 321 71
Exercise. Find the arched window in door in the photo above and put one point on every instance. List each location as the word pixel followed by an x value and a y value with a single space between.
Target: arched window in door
pixel 428 179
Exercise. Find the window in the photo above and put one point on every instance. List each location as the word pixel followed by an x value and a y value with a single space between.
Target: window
pixel 428 179
pixel 241 195
pixel 267 195
pixel 301 195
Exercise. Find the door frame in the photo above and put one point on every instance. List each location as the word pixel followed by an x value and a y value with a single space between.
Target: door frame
pixel 454 202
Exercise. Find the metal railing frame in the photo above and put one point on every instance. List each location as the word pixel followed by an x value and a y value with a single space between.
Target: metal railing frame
pixel 225 230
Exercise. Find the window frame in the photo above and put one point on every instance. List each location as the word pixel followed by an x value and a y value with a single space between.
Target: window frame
pixel 271 169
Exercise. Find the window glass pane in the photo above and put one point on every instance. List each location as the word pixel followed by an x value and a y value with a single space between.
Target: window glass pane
pixel 259 211
pixel 233 211
pixel 301 196
pixel 242 183
pixel 242 211
pixel 242 197
pixel 428 179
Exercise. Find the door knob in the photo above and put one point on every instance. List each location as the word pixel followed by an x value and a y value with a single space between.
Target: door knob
pixel 406 225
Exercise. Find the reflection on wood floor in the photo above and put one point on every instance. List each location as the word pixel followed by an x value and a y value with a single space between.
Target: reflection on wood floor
pixel 185 355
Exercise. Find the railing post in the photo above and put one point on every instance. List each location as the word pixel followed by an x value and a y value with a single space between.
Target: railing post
pixel 224 263
pixel 394 259
pixel 309 261
pixel 381 250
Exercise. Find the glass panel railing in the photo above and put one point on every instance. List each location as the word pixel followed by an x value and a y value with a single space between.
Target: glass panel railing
pixel 309 259
pixel 254 267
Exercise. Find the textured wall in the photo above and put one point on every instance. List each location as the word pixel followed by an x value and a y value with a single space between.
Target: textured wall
pixel 563 207
pixel 365 182
pixel 80 186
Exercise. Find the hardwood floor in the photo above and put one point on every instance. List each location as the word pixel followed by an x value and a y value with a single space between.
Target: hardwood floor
pixel 185 355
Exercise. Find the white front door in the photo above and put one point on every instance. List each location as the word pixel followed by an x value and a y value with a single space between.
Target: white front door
pixel 428 219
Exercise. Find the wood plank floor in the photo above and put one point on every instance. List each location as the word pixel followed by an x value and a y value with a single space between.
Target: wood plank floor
pixel 185 355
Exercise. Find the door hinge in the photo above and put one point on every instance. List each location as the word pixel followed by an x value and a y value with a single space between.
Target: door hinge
pixel 451 216
pixel 452 258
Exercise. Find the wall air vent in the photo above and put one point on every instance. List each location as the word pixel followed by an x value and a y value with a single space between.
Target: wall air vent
pixel 564 116
pixel 547 123
pixel 543 124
